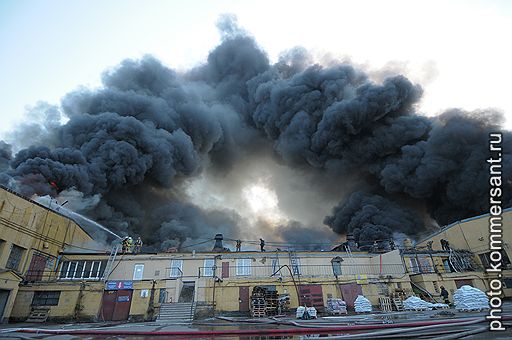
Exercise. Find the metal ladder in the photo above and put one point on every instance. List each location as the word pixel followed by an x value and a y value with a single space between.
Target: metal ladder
pixel 110 262
pixel 294 262
pixel 351 262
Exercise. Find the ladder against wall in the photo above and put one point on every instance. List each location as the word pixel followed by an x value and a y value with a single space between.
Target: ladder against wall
pixel 110 262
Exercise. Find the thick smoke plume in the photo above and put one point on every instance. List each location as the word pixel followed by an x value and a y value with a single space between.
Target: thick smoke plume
pixel 132 147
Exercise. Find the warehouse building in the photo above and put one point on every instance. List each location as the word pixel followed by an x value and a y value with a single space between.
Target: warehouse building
pixel 31 240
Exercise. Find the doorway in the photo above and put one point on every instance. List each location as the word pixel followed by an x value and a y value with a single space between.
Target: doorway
pixel 312 296
pixel 350 291
pixel 243 299
pixel 4 297
pixel 187 292
pixel 116 305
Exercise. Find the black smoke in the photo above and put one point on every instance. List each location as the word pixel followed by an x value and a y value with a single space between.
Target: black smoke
pixel 135 143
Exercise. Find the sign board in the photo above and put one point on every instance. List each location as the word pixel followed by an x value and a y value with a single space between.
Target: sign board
pixel 117 285
pixel 361 279
pixel 124 298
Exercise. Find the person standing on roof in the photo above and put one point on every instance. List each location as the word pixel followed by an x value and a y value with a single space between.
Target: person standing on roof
pixel 238 245
pixel 124 244
pixel 262 244
pixel 138 245
pixel 129 245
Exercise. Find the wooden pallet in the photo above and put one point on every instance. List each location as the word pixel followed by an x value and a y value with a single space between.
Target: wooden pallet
pixel 38 314
pixel 399 305
pixel 385 304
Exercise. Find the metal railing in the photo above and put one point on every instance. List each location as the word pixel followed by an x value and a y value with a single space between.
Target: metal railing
pixel 306 270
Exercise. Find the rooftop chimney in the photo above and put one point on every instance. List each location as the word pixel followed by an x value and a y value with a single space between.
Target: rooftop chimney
pixel 218 247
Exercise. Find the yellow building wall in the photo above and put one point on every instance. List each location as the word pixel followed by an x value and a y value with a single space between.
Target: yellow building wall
pixel 473 235
pixel 69 305
pixel 34 228
pixel 9 281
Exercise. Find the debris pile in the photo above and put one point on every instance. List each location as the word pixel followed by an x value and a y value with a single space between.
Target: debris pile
pixel 468 298
pixel 362 304
pixel 336 306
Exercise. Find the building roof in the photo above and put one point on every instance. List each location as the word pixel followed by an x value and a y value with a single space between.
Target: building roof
pixel 446 227
pixel 45 207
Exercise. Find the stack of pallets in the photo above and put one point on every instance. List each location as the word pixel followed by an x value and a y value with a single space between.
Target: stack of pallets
pixel 272 302
pixel 258 304
pixel 385 304
pixel 284 303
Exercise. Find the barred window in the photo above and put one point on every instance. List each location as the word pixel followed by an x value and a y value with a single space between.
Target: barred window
pixel 46 298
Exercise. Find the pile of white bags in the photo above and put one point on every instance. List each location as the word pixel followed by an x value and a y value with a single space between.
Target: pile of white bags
pixel 415 303
pixel 362 304
pixel 470 298
pixel 300 312
pixel 336 306
pixel 312 312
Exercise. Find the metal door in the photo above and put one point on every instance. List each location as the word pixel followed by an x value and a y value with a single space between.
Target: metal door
pixel 123 304
pixel 225 270
pixel 108 304
pixel 4 296
pixel 36 268
pixel 460 283
pixel 243 299
pixel 311 296
pixel 350 292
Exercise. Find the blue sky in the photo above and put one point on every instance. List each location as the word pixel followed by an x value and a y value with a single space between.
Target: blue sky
pixel 459 51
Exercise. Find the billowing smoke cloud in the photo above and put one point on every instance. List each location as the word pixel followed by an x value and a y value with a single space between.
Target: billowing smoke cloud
pixel 134 146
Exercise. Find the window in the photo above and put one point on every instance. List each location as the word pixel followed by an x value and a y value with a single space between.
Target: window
pixel 138 271
pixel 486 259
pixel 46 299
pixel 507 282
pixel 92 270
pixel 209 269
pixel 425 265
pixel 176 268
pixel 243 267
pixel 336 265
pixel 447 266
pixel 414 265
pixel 13 262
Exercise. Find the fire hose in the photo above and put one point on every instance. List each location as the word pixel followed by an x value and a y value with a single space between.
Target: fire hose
pixel 404 327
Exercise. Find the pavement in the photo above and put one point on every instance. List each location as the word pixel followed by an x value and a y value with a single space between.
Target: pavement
pixel 12 331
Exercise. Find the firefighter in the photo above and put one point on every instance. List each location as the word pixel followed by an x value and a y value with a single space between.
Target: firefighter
pixel 129 244
pixel 445 245
pixel 262 245
pixel 238 245
pixel 444 294
pixel 138 245
pixel 124 244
